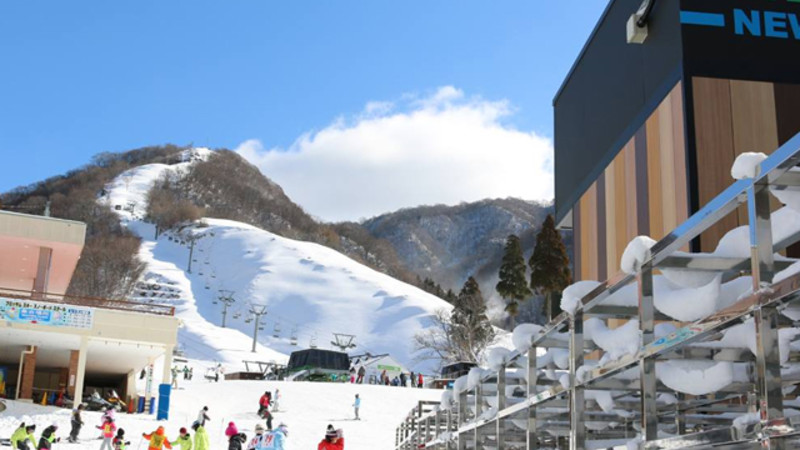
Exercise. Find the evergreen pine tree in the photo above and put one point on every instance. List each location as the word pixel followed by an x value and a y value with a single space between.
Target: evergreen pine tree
pixel 513 284
pixel 471 330
pixel 549 265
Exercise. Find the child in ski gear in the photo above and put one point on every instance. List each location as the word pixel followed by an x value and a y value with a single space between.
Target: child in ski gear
pixel 48 437
pixel 236 441
pixel 334 440
pixel 23 438
pixel 202 416
pixel 157 440
pixel 184 440
pixel 276 399
pixel 231 430
pixel 119 441
pixel 77 422
pixel 257 438
pixel 200 437
pixel 108 429
pixel 356 406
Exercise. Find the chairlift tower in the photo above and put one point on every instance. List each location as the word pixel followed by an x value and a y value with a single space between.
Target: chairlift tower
pixel 257 311
pixel 344 341
pixel 226 297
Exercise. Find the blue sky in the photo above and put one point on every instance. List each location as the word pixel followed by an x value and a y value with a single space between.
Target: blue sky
pixel 83 77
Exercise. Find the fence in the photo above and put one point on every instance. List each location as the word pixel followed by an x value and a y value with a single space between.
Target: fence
pixel 745 353
pixel 92 302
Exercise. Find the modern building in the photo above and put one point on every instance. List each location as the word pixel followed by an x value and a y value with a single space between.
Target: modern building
pixel 375 365
pixel 646 133
pixel 53 343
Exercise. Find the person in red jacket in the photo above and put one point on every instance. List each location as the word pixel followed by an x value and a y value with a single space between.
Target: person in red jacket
pixel 419 382
pixel 334 440
pixel 263 403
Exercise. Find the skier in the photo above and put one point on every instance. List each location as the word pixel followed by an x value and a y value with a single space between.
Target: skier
pixel 231 430
pixel 48 437
pixel 175 377
pixel 235 442
pixel 23 438
pixel 413 380
pixel 333 440
pixel 263 403
pixel 157 440
pixel 357 406
pixel 184 440
pixel 119 441
pixel 200 437
pixel 276 399
pixel 257 438
pixel 202 416
pixel 419 382
pixel 185 372
pixel 107 429
pixel 361 373
pixel 268 416
pixel 77 422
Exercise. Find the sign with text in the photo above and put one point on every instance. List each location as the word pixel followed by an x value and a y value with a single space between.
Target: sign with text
pixel 43 313
pixel 747 39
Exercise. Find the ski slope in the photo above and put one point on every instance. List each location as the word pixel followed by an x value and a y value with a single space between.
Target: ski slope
pixel 306 408
pixel 310 291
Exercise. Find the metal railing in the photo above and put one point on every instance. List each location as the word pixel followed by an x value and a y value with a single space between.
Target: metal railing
pixel 91 302
pixel 424 423
pixel 523 406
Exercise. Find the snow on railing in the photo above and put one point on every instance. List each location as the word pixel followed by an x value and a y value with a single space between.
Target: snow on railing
pixel 631 360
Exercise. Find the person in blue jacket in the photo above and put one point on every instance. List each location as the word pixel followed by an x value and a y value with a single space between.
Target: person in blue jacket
pixel 357 406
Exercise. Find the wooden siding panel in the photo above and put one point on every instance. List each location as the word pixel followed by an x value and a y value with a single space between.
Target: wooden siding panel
pixel 612 217
pixel 602 244
pixel 654 187
pixel 622 186
pixel 679 140
pixel 631 229
pixel 667 149
pixel 714 144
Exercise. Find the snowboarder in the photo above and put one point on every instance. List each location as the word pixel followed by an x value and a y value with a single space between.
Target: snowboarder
pixel 334 440
pixel 276 399
pixel 48 437
pixel 231 430
pixel 184 440
pixel 157 439
pixel 236 441
pixel 413 380
pixel 419 382
pixel 202 416
pixel 119 441
pixel 200 437
pixel 107 429
pixel 23 438
pixel 77 422
pixel 357 406
pixel 361 372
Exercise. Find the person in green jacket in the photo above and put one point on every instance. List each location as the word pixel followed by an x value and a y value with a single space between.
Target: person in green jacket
pixel 200 437
pixel 184 440
pixel 23 438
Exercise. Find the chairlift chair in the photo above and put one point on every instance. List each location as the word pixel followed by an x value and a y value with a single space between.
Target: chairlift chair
pixel 276 331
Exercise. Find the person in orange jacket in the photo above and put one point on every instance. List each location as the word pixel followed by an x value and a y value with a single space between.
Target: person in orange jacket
pixel 334 440
pixel 157 440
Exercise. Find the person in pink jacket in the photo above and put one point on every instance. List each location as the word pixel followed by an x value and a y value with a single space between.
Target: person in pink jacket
pixel 231 430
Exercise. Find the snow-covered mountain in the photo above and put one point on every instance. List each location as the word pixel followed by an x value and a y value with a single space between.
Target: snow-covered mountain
pixel 310 291
pixel 451 243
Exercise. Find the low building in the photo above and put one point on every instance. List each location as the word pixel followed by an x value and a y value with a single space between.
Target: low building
pixel 53 344
pixel 374 365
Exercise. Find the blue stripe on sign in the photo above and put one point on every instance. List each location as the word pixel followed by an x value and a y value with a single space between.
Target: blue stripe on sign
pixel 701 18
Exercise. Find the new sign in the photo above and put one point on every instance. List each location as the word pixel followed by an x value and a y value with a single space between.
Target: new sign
pixel 745 39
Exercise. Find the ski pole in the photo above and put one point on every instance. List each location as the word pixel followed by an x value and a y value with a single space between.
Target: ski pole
pixel 139 445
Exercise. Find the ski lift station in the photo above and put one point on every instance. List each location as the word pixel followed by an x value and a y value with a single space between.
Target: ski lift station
pixel 677 149
pixel 53 344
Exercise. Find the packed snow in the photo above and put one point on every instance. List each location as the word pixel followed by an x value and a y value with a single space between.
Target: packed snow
pixel 306 408
pixel 310 291
pixel 747 165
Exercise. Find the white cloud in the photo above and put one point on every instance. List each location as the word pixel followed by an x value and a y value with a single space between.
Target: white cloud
pixel 442 148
